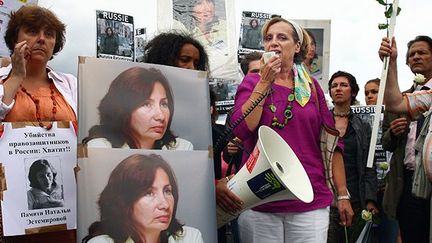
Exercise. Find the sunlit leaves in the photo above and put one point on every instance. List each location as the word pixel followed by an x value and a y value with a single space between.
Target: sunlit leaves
pixel 387 13
pixel 382 26
pixel 381 2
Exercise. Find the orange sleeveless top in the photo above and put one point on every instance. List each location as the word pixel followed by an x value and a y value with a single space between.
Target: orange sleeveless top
pixel 24 109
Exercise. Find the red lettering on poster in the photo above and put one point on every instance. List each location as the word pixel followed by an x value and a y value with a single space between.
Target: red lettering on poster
pixel 250 163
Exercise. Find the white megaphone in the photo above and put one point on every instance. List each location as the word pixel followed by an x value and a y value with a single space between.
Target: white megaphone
pixel 273 172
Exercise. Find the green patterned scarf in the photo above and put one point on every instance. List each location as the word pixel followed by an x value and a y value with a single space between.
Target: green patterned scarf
pixel 302 83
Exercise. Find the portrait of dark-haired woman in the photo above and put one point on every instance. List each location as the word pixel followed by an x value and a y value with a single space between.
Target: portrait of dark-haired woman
pixel 137 113
pixel 110 42
pixel 139 204
pixel 253 37
pixel 45 192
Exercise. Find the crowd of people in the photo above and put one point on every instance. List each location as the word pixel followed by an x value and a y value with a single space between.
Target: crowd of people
pixel 281 93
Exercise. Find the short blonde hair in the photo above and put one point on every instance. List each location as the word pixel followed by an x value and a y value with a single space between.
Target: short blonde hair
pixel 298 57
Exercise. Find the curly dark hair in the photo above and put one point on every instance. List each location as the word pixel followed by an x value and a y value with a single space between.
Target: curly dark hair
pixel 256 22
pixel 129 90
pixel 109 28
pixel 35 18
pixel 165 49
pixel 352 82
pixel 128 182
pixel 37 166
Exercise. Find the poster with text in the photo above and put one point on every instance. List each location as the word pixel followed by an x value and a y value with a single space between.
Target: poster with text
pixel 140 43
pixel 367 112
pixel 225 91
pixel 180 183
pixel 250 38
pixel 139 105
pixel 115 35
pixel 39 172
pixel 6 7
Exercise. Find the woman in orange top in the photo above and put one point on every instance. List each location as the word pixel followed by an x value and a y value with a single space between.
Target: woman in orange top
pixel 30 90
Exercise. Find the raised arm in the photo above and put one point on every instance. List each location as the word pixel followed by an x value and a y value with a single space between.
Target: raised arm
pixel 394 100
pixel 268 73
pixel 18 73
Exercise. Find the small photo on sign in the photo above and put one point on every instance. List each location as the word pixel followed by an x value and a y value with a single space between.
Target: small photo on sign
pixel 45 183
pixel 115 35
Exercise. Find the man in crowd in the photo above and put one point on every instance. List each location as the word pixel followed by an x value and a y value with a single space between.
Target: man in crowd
pixel 399 135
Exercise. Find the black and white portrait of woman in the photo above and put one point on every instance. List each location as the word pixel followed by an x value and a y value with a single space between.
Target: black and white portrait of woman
pixel 45 191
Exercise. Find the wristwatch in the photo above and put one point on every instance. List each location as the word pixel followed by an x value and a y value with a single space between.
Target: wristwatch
pixel 344 197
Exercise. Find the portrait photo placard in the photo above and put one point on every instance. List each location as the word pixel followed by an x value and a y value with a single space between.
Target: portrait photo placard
pixel 185 103
pixel 367 113
pixel 39 172
pixel 115 35
pixel 320 31
pixel 212 23
pixel 193 173
pixel 250 32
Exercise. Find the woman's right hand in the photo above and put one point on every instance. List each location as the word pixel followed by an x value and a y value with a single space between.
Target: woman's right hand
pixel 270 69
pixel 226 199
pixel 19 60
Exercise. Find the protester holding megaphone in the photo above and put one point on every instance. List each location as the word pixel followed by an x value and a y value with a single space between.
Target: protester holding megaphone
pixel 292 103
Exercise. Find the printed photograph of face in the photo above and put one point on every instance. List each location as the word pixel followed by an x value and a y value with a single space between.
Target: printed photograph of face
pixel 154 210
pixel 251 37
pixel 145 107
pixel 114 37
pixel 155 114
pixel 139 199
pixel 205 19
pixel 143 119
pixel 45 191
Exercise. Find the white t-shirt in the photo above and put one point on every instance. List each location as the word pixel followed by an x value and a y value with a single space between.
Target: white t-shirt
pixel 181 144
pixel 189 235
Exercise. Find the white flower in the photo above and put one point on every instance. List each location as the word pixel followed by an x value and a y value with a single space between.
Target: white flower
pixel 384 165
pixel 419 78
pixel 366 215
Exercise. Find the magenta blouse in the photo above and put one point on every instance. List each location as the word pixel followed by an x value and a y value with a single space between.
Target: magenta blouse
pixel 301 133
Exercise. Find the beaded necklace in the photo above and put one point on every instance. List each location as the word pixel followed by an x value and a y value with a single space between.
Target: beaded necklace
pixel 36 102
pixel 341 114
pixel 288 114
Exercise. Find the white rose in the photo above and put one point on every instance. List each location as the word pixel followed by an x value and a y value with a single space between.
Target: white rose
pixel 366 215
pixel 419 78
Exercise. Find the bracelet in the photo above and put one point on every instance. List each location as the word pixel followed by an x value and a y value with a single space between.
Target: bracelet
pixel 258 92
pixel 344 197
